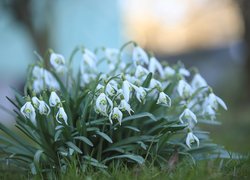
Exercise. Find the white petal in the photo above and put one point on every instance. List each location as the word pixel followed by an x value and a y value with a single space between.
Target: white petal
pixel 126 90
pixel 221 102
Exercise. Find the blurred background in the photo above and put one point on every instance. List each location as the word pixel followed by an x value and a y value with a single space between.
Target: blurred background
pixel 209 34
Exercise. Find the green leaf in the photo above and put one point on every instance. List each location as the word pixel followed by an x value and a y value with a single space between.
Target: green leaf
pixel 132 128
pixel 147 80
pixel 136 158
pixel 84 139
pixel 37 157
pixel 129 140
pixel 140 115
pixel 74 147
pixel 105 136
pixel 94 162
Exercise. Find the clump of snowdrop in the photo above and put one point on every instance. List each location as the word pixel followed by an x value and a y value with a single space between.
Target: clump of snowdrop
pixel 119 103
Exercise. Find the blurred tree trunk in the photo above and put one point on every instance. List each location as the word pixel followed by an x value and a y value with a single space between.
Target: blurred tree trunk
pixel 23 13
pixel 245 10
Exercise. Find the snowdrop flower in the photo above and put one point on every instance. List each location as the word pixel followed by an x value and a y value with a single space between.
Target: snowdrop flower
pixel 115 114
pixel 184 72
pixel 126 88
pixel 35 101
pixel 139 56
pixel 99 87
pixel 58 62
pixel 37 72
pixel 141 71
pixel 198 81
pixel 184 89
pixel 28 111
pixel 140 93
pixel 168 71
pixel 61 115
pixel 208 110
pixel 214 101
pixel 43 108
pixel 111 67
pixel 191 138
pixel 110 90
pixel 102 103
pixel 132 79
pixel 50 80
pixel 155 84
pixel 125 106
pixel 154 65
pixel 164 99
pixel 38 85
pixel 89 58
pixel 87 78
pixel 111 53
pixel 54 100
pixel 188 115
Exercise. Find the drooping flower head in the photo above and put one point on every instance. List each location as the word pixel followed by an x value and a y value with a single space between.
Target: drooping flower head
pixel 164 99
pixel 191 138
pixel 124 105
pixel 28 111
pixel 140 57
pixel 115 114
pixel 61 115
pixel 54 99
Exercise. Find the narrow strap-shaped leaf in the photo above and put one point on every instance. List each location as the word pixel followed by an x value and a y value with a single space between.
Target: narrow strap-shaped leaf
pixel 37 157
pixel 147 80
pixel 73 146
pixel 136 158
pixel 105 136
pixel 140 115
pixel 84 139
pixel 132 128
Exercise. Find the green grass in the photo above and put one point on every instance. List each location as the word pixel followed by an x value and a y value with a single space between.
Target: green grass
pixel 213 169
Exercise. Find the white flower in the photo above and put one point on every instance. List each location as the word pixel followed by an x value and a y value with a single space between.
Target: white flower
pixel 87 78
pixel 184 89
pixel 208 110
pixel 132 79
pixel 35 101
pixel 198 81
pixel 164 99
pixel 125 106
pixel 28 111
pixel 141 71
pixel 89 58
pixel 140 93
pixel 126 88
pixel 116 114
pixel 188 115
pixel 155 84
pixel 102 103
pixel 184 72
pixel 43 108
pixel 191 138
pixel 38 85
pixel 54 100
pixel 61 115
pixel 154 65
pixel 139 56
pixel 169 71
pixel 37 72
pixel 99 87
pixel 111 53
pixel 110 90
pixel 50 80
pixel 58 62
pixel 214 101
